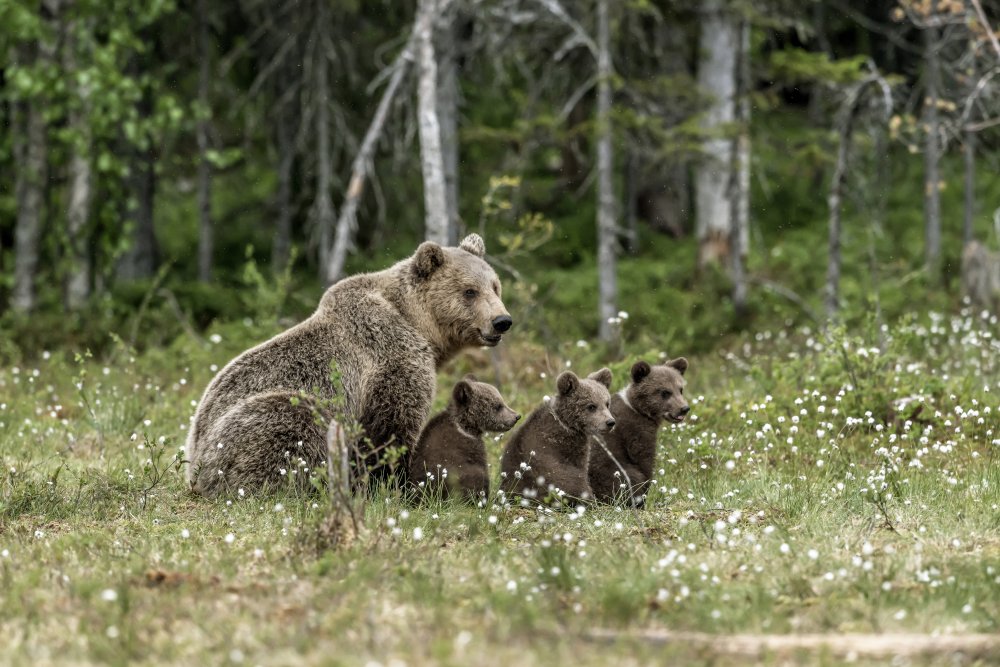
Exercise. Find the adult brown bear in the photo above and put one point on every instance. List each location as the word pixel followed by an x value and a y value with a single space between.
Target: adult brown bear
pixel 387 333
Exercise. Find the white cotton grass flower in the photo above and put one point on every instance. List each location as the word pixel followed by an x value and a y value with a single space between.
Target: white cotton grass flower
pixel 109 595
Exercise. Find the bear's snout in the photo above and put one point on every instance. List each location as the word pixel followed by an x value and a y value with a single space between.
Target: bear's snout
pixel 502 323
pixel 685 410
pixel 610 424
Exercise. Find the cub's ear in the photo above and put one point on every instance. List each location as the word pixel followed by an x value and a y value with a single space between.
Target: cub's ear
pixel 640 369
pixel 428 259
pixel 603 376
pixel 473 243
pixel 567 382
pixel 680 364
pixel 469 377
pixel 461 393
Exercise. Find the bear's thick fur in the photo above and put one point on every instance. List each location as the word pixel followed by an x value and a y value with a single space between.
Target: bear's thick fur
pixel 450 457
pixel 387 333
pixel 655 394
pixel 552 450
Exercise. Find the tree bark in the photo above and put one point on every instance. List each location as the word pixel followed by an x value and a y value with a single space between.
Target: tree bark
pixel 347 222
pixel 323 206
pixel 845 129
pixel 431 156
pixel 607 226
pixel 447 111
pixel 932 153
pixel 740 176
pixel 717 75
pixel 31 154
pixel 206 226
pixel 142 256
pixel 80 195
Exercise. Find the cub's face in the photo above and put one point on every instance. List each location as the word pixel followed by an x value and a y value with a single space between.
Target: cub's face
pixel 481 407
pixel 462 293
pixel 658 391
pixel 584 404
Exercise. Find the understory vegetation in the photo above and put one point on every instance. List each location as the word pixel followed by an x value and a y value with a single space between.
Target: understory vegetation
pixel 825 482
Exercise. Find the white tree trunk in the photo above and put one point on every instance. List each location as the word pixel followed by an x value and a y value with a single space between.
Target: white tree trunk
pixel 77 286
pixel 717 76
pixel 447 108
pixel 431 156
pixel 607 225
pixel 740 175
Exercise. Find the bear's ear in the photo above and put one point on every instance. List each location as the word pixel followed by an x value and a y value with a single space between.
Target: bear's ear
pixel 473 243
pixel 603 376
pixel 428 259
pixel 567 383
pixel 469 377
pixel 461 393
pixel 640 369
pixel 680 364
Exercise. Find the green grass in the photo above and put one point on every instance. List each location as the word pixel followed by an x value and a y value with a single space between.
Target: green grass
pixel 769 516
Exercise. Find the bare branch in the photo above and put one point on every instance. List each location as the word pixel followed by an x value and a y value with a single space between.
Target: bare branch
pixel 981 15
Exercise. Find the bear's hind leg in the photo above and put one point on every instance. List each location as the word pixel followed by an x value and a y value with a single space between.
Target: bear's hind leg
pixel 266 441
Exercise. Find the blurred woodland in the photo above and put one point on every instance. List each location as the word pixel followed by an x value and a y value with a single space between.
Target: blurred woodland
pixel 659 169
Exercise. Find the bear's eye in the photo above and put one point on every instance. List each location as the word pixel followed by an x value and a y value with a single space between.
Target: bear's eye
pixel 498 407
pixel 681 391
pixel 592 408
pixel 665 393
pixel 471 293
pixel 608 405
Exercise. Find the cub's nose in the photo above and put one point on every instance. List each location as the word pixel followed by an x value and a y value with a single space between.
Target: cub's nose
pixel 685 410
pixel 610 423
pixel 517 418
pixel 502 323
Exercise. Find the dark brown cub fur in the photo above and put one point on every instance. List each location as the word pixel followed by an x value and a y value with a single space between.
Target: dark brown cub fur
pixel 449 456
pixel 549 455
pixel 655 394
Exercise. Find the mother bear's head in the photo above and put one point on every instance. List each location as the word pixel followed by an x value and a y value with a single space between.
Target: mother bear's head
pixel 461 292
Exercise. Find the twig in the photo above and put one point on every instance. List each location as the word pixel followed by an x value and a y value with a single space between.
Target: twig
pixel 986 26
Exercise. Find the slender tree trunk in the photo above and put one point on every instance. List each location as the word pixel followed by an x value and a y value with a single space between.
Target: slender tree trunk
pixel 285 138
pixel 447 108
pixel 31 155
pixel 717 76
pixel 347 222
pixel 607 226
pixel 323 210
pixel 142 256
pixel 80 195
pixel 431 156
pixel 206 226
pixel 31 151
pixel 969 152
pixel 632 202
pixel 932 154
pixel 740 176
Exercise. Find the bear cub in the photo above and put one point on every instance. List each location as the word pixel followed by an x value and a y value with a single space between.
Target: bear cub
pixel 551 452
pixel 449 457
pixel 655 394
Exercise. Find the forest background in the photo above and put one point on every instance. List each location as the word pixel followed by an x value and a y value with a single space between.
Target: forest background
pixel 704 167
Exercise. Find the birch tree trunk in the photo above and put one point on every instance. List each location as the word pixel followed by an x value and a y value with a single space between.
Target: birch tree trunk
pixel 347 221
pixel 932 153
pixel 717 76
pixel 323 206
pixel 431 156
pixel 80 195
pixel 447 110
pixel 31 153
pixel 740 175
pixel 206 226
pixel 606 224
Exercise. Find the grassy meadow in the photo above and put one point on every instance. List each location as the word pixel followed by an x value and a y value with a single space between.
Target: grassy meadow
pixel 825 483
